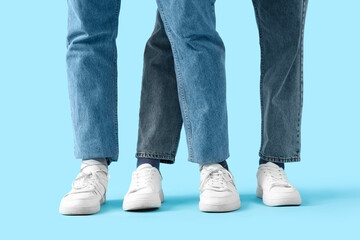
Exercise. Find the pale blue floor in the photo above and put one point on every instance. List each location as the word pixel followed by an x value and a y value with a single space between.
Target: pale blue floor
pixel 326 213
pixel 330 191
pixel 36 138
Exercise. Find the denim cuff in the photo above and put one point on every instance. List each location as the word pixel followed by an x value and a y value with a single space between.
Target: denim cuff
pixel 279 159
pixel 163 157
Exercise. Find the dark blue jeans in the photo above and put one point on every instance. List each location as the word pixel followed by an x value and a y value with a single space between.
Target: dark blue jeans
pixel 164 98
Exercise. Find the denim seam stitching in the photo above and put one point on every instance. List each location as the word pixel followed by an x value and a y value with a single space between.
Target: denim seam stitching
pixel 155 155
pixel 176 145
pixel 148 152
pixel 261 75
pixel 116 136
pixel 301 75
pixel 279 159
pixel 211 161
pixel 181 88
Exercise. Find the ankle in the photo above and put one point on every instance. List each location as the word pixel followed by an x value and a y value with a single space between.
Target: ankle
pixel 153 162
pixel 262 161
pixel 95 161
pixel 223 164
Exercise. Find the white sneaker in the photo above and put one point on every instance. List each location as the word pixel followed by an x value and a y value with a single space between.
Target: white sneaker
pixel 145 190
pixel 88 191
pixel 217 190
pixel 274 187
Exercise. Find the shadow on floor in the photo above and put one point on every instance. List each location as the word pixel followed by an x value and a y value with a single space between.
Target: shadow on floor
pixel 171 203
pixel 310 197
pixel 111 206
pixel 177 203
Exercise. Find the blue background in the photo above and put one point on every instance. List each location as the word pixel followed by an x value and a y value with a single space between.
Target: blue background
pixel 36 148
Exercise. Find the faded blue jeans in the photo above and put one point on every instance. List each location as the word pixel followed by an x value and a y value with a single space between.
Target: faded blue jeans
pixel 199 63
pixel 281 29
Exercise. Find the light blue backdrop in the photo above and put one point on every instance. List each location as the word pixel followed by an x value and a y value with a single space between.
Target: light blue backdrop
pixel 36 145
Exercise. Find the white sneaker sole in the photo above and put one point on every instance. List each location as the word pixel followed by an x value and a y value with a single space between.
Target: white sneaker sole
pixel 205 207
pixel 135 201
pixel 291 199
pixel 71 210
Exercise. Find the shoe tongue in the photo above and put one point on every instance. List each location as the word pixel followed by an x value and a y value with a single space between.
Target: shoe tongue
pixel 270 164
pixel 86 168
pixel 210 166
pixel 143 166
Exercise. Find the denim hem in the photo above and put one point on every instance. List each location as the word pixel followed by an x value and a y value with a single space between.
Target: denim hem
pixel 91 156
pixel 163 157
pixel 208 161
pixel 279 159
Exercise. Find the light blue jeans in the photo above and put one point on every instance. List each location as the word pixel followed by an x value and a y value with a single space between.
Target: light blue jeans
pixel 281 29
pixel 198 61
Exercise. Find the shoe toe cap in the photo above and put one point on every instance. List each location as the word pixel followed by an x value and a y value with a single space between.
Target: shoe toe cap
pixel 216 198
pixel 80 200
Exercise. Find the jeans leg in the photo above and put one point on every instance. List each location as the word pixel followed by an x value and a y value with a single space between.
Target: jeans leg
pixel 199 56
pixel 92 76
pixel 281 29
pixel 160 116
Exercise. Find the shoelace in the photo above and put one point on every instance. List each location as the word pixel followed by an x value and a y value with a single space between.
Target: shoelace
pixel 215 179
pixel 85 182
pixel 142 179
pixel 277 176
